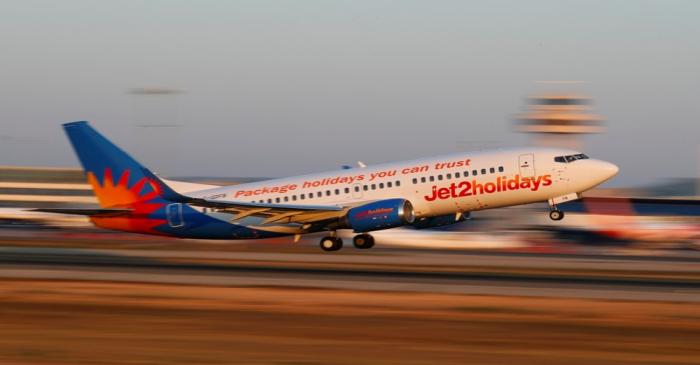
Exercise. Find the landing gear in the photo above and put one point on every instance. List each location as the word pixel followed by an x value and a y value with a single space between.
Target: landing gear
pixel 556 214
pixel 330 243
pixel 363 241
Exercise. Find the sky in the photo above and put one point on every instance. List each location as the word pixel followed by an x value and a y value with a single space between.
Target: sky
pixel 278 88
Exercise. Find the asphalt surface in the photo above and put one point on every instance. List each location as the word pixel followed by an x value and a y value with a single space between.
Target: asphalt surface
pixel 585 276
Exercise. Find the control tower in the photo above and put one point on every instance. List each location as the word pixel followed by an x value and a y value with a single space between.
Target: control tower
pixel 559 120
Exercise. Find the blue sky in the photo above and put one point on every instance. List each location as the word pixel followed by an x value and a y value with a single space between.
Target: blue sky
pixel 274 88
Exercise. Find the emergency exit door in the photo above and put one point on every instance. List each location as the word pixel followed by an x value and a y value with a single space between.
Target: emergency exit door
pixel 526 163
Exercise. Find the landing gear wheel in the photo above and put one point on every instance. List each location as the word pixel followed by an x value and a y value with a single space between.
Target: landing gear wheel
pixel 363 241
pixel 329 243
pixel 556 215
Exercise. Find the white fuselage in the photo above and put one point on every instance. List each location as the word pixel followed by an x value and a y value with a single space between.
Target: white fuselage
pixel 437 186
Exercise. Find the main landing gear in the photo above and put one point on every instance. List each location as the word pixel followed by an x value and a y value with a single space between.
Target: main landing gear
pixel 331 243
pixel 334 243
pixel 363 241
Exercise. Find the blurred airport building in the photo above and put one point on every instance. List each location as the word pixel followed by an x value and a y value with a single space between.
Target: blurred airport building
pixel 23 188
pixel 44 186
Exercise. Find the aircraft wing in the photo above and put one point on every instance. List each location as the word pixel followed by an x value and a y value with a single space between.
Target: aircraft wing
pixel 273 213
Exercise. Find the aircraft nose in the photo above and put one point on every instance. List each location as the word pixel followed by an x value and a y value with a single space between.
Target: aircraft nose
pixel 607 169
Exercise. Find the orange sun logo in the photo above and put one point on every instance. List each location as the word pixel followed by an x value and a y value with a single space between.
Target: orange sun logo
pixel 120 195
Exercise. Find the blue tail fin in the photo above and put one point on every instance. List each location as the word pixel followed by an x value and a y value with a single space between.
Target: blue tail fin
pixel 115 176
pixel 165 191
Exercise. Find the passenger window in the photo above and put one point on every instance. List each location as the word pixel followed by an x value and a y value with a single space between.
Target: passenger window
pixel 415 181
pixel 319 194
pixel 475 172
pixel 492 170
pixel 357 188
pixel 422 179
pixel 466 174
pixel 388 185
pixel 440 177
pixel 328 193
pixel 347 190
pixel 303 196
pixel 277 200
pixel 483 171
pixel 374 186
pixel 337 191
pixel 381 185
pixel 294 197
pixel 365 187
pixel 456 175
pixel 286 198
pixel 398 183
pixel 269 201
pixel 432 178
pixel 500 169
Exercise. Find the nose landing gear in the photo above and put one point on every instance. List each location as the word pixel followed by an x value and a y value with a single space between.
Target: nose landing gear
pixel 556 214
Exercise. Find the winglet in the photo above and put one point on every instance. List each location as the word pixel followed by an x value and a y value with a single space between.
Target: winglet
pixel 165 191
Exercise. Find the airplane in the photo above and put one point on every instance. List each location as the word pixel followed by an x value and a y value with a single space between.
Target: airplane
pixel 419 192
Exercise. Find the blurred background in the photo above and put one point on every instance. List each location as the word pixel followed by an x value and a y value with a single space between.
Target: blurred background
pixel 225 92
pixel 557 115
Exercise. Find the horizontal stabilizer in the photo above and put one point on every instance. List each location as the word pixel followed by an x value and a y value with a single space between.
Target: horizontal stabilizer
pixel 87 212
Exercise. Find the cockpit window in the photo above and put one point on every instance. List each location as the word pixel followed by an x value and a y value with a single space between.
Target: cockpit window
pixel 570 158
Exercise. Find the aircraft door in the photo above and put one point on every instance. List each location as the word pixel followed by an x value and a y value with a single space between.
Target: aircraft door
pixel 174 214
pixel 526 163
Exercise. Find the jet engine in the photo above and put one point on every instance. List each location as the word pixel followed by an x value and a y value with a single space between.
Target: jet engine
pixel 380 214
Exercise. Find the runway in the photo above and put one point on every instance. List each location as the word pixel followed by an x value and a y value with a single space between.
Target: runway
pixel 567 276
pixel 73 298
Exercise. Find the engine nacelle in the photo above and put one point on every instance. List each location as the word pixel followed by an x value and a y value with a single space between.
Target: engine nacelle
pixel 381 214
pixel 439 221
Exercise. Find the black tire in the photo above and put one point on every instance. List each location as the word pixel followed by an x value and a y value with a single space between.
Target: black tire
pixel 329 243
pixel 556 215
pixel 363 241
